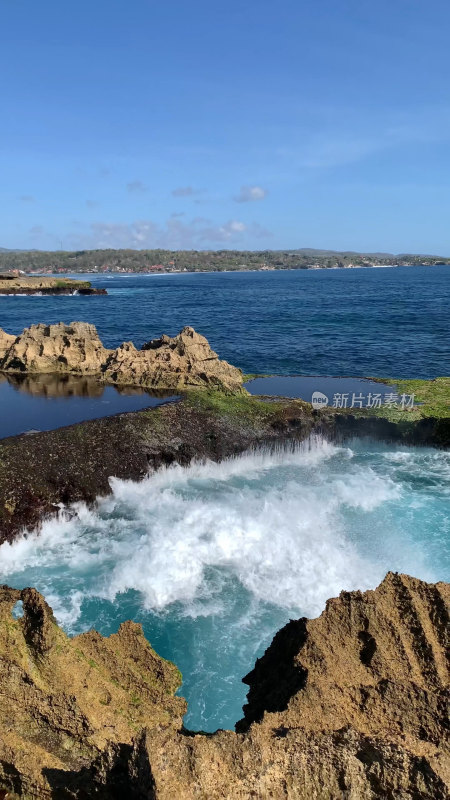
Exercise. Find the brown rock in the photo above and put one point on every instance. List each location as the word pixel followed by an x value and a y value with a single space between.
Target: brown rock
pixel 184 360
pixel 26 284
pixel 6 340
pixel 74 348
pixel 172 363
pixel 351 705
pixel 63 701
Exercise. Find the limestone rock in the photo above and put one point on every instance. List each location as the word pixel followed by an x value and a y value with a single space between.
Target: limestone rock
pixel 74 348
pixel 184 360
pixel 6 340
pixel 63 701
pixel 351 705
pixel 27 284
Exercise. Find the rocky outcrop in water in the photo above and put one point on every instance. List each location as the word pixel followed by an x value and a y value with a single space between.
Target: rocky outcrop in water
pixel 9 284
pixel 351 705
pixel 182 361
pixel 74 349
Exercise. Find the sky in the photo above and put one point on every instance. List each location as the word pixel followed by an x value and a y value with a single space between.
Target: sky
pixel 244 124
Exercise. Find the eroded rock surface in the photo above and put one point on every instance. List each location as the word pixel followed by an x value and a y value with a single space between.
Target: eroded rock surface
pixel 181 361
pixel 351 705
pixel 74 348
pixel 6 340
pixel 63 701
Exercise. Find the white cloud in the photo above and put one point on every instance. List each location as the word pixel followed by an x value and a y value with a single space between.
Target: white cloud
pixel 248 194
pixel 175 233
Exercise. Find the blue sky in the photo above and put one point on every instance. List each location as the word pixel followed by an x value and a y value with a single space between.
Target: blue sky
pixel 256 124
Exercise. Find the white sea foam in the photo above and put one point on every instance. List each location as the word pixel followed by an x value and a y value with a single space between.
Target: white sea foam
pixel 276 522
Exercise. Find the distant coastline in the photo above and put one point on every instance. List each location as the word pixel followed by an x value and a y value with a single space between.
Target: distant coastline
pixel 152 273
pixel 36 263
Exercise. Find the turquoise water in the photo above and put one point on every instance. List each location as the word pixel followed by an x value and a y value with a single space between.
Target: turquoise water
pixel 377 322
pixel 214 558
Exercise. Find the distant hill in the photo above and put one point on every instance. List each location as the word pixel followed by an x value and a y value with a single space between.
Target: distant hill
pixel 353 253
pixel 8 250
pixel 199 260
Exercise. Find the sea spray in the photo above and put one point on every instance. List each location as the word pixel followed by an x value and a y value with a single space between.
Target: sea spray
pixel 213 558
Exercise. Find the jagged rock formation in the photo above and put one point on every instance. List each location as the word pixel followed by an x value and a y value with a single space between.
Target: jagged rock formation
pixel 351 705
pixel 63 701
pixel 184 360
pixel 76 349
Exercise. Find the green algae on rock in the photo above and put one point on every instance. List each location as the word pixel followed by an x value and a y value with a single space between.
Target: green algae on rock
pixel 39 471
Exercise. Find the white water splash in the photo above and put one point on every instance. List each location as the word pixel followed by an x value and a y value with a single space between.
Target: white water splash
pixel 283 524
pixel 214 558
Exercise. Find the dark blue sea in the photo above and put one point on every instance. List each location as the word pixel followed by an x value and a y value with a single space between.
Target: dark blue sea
pixel 366 322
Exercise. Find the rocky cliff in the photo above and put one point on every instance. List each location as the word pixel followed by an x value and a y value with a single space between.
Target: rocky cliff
pixel 63 701
pixel 182 361
pixel 351 705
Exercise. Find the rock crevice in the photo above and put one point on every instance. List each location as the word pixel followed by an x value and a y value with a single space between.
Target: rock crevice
pixel 97 717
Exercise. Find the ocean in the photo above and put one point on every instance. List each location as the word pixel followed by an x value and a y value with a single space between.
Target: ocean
pixel 213 559
pixel 362 322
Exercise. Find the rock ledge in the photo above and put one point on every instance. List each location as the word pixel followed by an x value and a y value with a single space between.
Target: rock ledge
pixel 351 705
